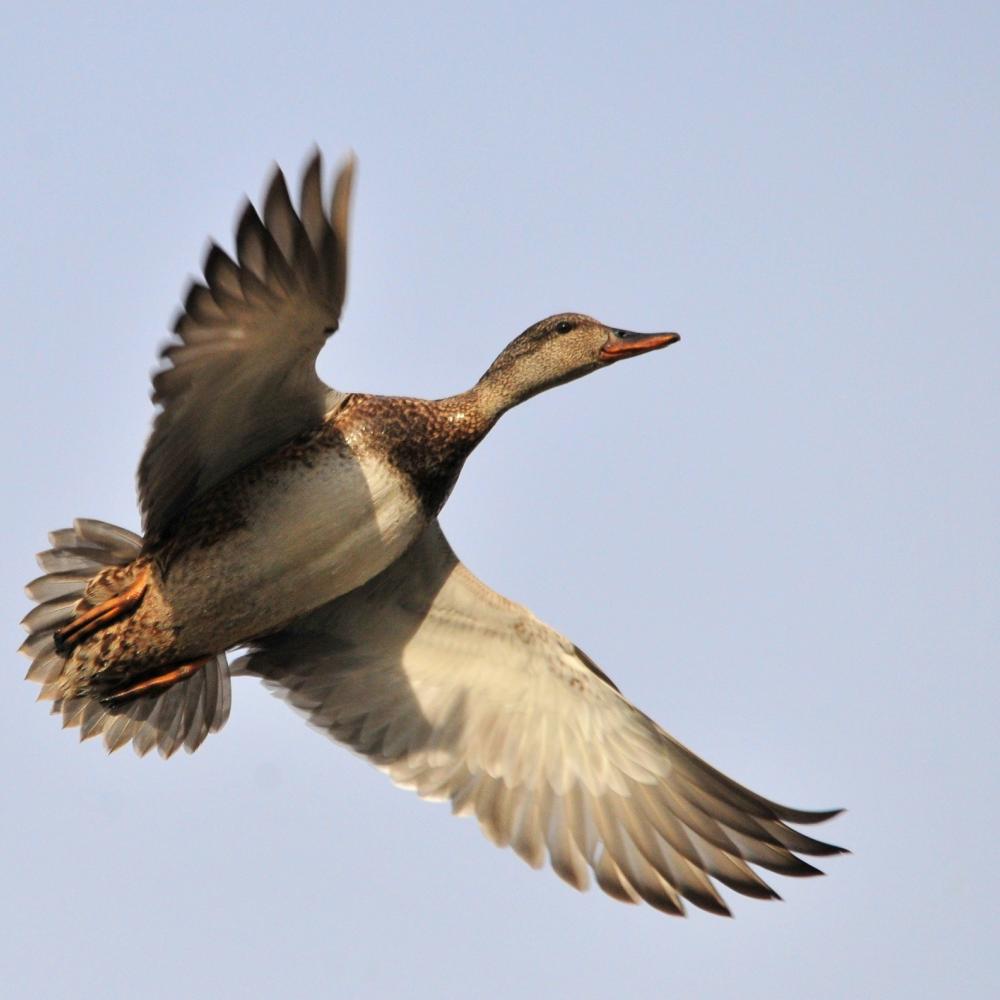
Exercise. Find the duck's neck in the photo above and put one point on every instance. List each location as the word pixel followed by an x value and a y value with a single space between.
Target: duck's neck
pixel 494 394
pixel 434 439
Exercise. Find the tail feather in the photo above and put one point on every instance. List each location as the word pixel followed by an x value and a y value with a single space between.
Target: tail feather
pixel 72 558
pixel 181 715
pixel 48 616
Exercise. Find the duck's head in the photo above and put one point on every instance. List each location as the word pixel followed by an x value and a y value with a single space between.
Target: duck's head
pixel 560 349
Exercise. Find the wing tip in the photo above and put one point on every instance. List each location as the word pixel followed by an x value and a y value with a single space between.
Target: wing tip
pixel 314 159
pixel 347 165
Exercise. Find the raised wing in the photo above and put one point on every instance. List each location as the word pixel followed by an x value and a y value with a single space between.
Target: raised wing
pixel 240 378
pixel 460 694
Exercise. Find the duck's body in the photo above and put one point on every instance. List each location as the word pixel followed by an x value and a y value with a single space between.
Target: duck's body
pixel 301 522
pixel 301 526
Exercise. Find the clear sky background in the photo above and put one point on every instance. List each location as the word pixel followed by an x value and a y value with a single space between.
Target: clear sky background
pixel 780 537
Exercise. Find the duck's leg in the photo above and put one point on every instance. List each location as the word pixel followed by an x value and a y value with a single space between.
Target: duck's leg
pixel 94 619
pixel 151 685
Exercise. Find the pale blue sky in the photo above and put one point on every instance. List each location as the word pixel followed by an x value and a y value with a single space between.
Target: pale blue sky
pixel 779 537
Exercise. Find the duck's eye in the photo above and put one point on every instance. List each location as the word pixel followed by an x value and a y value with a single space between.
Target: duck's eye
pixel 564 327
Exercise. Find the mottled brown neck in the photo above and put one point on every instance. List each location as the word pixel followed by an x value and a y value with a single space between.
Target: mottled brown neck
pixel 426 440
pixel 429 440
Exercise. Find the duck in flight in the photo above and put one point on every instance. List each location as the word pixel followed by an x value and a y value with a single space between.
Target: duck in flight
pixel 300 523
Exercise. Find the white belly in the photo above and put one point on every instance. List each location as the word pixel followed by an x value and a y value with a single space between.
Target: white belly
pixel 311 534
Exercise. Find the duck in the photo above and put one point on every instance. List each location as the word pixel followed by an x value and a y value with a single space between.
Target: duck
pixel 297 525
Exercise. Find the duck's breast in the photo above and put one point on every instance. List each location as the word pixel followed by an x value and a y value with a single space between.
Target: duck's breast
pixel 303 528
pixel 335 524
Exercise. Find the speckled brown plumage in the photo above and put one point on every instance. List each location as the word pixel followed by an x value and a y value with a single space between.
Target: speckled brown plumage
pixel 428 441
pixel 139 641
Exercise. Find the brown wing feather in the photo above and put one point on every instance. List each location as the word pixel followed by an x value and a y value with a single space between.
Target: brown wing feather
pixel 240 378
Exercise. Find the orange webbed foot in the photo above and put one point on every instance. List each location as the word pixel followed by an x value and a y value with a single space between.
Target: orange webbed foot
pixel 152 685
pixel 94 619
